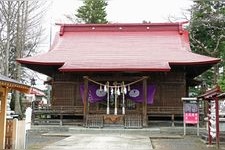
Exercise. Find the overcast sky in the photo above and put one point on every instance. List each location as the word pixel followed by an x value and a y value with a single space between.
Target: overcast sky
pixel 118 11
pixel 127 11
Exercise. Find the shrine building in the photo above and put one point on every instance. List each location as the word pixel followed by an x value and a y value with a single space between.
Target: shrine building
pixel 120 73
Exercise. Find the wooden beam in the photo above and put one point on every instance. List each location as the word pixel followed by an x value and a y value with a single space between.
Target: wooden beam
pixel 15 86
pixel 116 78
pixel 144 104
pixel 85 102
pixel 3 99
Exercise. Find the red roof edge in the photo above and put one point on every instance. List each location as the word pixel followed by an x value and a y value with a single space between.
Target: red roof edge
pixel 116 70
pixel 36 92
pixel 215 61
pixel 120 27
pixel 38 63
pixel 181 29
pixel 61 32
pixel 211 93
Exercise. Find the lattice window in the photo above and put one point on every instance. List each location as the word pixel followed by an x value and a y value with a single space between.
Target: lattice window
pixel 63 94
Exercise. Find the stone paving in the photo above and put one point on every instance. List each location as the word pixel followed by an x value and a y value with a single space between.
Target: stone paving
pixel 103 141
pixel 188 142
pixel 161 138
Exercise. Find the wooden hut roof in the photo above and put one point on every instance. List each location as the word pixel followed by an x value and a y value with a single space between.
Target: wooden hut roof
pixel 13 84
pixel 120 47
pixel 211 93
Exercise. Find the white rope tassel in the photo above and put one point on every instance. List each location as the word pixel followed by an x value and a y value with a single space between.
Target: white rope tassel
pixel 115 111
pixel 118 91
pixel 111 91
pixel 105 88
pixel 107 109
pixel 123 108
pixel 128 88
pixel 124 89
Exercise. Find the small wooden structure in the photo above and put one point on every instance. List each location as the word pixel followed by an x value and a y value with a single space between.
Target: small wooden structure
pixel 159 53
pixel 209 96
pixel 7 84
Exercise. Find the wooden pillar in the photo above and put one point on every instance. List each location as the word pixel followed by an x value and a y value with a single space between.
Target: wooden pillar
pixel 144 103
pixel 85 101
pixel 3 99
pixel 217 123
pixel 209 124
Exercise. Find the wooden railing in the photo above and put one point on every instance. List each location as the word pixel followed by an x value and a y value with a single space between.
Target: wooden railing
pixel 166 112
pixel 59 110
pixel 161 111
pixel 133 121
pixel 126 121
pixel 94 121
pixel 78 110
pixel 44 115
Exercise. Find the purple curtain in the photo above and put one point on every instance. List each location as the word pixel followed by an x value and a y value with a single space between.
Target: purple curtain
pixel 135 94
pixel 94 94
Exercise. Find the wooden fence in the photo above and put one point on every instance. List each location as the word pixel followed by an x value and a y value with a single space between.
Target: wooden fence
pixel 133 121
pixel 15 134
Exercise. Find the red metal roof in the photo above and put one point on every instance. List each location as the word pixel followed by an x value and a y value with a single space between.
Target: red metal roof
pixel 119 47
pixel 211 94
pixel 36 92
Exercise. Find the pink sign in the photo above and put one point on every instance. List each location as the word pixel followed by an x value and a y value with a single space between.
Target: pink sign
pixel 191 118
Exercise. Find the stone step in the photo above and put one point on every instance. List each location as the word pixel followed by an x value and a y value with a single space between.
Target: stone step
pixel 111 130
pixel 104 130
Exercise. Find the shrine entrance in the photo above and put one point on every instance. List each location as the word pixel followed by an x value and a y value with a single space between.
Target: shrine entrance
pixel 116 103
pixel 117 109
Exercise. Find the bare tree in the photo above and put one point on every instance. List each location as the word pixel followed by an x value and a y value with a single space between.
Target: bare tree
pixel 20 32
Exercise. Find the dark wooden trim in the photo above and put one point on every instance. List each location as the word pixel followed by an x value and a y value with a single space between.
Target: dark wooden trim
pixel 85 98
pixel 144 104
pixel 117 78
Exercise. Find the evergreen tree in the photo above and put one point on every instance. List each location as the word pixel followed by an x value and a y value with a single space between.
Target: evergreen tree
pixel 93 11
pixel 207 34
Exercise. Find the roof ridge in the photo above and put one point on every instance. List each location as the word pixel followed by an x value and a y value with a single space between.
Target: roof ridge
pixel 121 27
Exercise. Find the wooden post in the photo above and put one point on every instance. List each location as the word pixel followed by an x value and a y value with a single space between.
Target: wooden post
pixel 209 124
pixel 85 98
pixel 144 104
pixel 14 134
pixel 184 117
pixel 217 123
pixel 3 99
